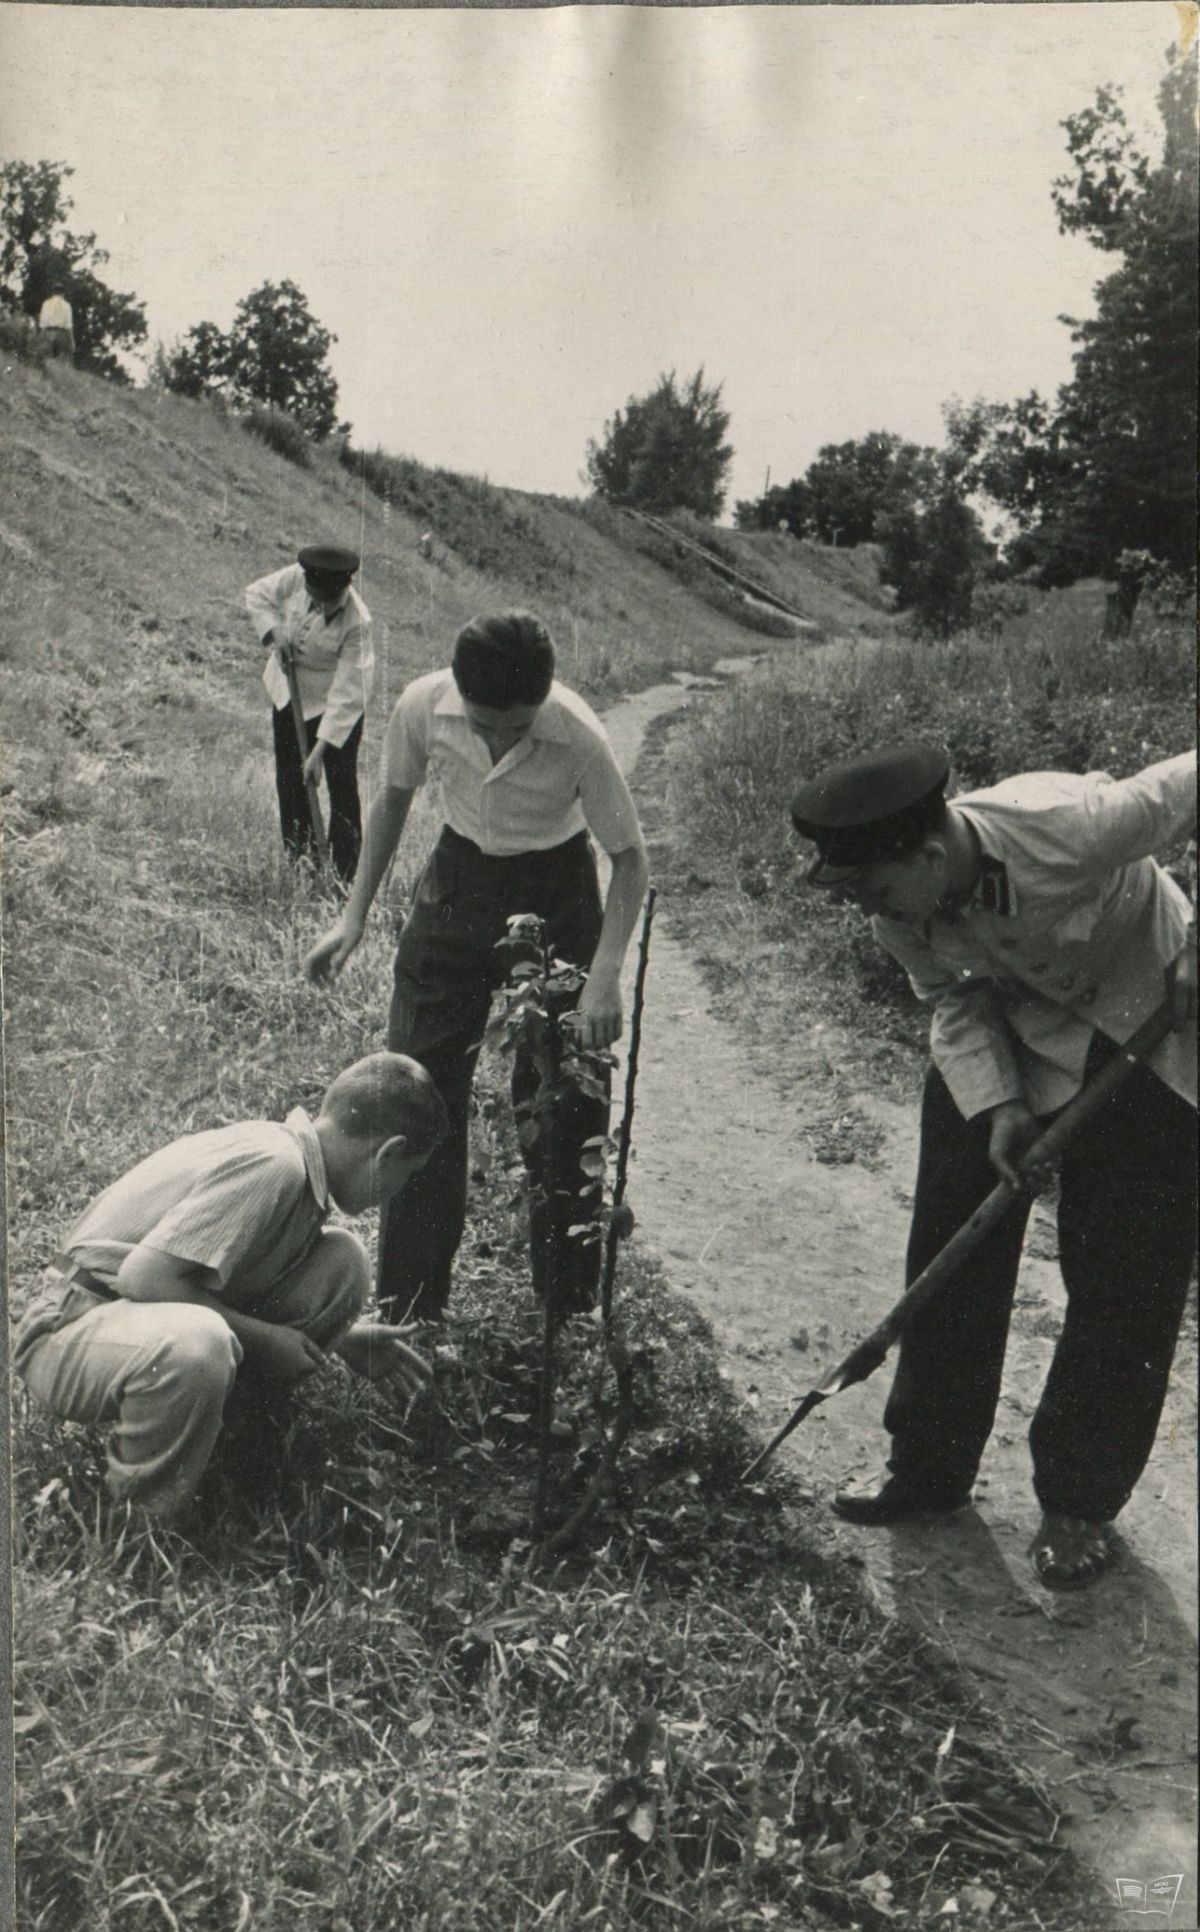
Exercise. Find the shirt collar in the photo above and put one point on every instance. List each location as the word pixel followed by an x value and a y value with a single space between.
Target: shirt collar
pixel 314 1160
pixel 550 723
pixel 993 890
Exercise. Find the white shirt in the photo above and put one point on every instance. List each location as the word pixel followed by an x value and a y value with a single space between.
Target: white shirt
pixel 333 656
pixel 55 313
pixel 1069 928
pixel 561 776
pixel 247 1201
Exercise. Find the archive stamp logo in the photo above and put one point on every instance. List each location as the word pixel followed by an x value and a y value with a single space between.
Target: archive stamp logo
pixel 1145 1895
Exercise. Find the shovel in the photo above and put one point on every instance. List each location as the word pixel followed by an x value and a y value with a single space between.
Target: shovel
pixel 866 1357
pixel 310 784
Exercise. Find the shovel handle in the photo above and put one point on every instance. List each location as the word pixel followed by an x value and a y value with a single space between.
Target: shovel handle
pixel 316 817
pixel 1046 1149
pixel 869 1353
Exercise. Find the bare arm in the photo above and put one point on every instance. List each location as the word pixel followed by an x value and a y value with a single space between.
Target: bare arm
pixel 600 1012
pixel 151 1275
pixel 385 823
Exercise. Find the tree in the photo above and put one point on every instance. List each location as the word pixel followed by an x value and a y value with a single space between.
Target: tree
pixel 1110 465
pixel 666 450
pixel 39 253
pixel 932 553
pixel 276 353
pixel 785 506
pixel 199 364
pixel 845 490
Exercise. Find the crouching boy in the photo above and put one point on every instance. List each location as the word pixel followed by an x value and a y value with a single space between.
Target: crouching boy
pixel 212 1255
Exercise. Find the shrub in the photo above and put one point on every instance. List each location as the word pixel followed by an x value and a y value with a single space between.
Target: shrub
pixel 19 336
pixel 279 432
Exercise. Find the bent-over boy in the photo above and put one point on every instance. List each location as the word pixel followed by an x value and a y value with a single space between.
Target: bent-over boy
pixel 526 770
pixel 1035 920
pixel 213 1253
pixel 317 624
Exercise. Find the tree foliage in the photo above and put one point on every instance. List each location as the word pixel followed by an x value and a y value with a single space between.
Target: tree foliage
pixel 666 450
pixel 1110 464
pixel 845 490
pixel 906 498
pixel 39 253
pixel 276 353
pixel 933 551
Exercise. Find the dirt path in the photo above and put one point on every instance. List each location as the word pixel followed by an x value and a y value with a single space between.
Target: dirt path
pixel 792 1261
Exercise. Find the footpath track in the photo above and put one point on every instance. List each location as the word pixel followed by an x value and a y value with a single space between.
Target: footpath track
pixel 792 1261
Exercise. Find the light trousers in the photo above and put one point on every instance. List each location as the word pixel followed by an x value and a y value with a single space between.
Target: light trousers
pixel 156 1374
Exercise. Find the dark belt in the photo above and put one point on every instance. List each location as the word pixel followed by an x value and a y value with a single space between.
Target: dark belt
pixel 72 1272
pixel 453 841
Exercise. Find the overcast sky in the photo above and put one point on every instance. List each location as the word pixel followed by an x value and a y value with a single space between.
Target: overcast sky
pixel 513 221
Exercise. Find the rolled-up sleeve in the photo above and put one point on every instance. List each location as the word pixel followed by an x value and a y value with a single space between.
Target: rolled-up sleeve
pixel 969 1037
pixel 350 686
pixel 265 598
pixel 608 803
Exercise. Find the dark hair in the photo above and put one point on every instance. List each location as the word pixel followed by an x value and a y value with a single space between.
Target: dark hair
pixel 504 661
pixel 385 1094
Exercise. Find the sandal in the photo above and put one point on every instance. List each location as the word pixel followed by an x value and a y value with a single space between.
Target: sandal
pixel 1069 1551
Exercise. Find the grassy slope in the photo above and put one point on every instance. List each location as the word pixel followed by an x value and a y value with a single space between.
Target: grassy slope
pixel 313 1716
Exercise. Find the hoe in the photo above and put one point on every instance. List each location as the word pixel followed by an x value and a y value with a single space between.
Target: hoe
pixel 866 1357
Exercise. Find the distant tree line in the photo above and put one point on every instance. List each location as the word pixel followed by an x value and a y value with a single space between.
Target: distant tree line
pixel 1100 480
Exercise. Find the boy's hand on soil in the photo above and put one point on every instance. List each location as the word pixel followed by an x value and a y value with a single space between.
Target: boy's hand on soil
pixel 598 1017
pixel 378 1351
pixel 286 1356
pixel 1014 1129
pixel 331 952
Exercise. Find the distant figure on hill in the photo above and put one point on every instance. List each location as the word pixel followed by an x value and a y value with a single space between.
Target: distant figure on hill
pixel 210 1262
pixel 56 326
pixel 525 769
pixel 316 623
pixel 1034 919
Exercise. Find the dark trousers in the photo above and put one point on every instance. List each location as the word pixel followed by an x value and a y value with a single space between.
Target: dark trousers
pixel 445 974
pixel 341 776
pixel 1127 1230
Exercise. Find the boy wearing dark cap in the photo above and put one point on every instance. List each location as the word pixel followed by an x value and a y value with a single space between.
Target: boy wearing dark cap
pixel 316 622
pixel 526 771
pixel 1034 919
pixel 213 1254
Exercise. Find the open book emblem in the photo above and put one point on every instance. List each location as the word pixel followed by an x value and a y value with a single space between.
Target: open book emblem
pixel 1149 1895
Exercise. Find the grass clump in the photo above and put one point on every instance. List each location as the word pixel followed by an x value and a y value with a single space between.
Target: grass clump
pixel 279 432
pixel 345 1703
